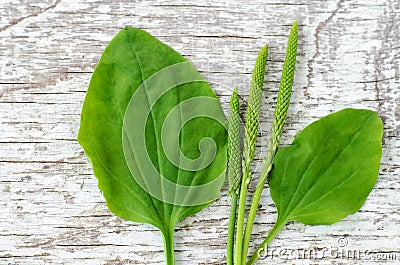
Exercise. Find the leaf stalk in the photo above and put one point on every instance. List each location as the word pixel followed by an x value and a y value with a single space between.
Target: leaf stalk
pixel 264 245
pixel 168 238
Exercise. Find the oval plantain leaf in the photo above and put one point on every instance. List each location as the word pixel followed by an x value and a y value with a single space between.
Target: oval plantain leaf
pixel 330 168
pixel 154 132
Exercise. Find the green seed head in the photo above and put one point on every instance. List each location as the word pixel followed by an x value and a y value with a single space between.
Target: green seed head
pixel 282 104
pixel 253 108
pixel 285 89
pixel 234 144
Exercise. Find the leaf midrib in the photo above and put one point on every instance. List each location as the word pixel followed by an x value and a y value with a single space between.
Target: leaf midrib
pixel 154 127
pixel 345 180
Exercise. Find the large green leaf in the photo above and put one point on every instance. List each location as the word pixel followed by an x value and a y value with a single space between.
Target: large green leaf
pixel 330 168
pixel 154 132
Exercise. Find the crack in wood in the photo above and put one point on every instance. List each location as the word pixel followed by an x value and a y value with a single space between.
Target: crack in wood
pixel 19 20
pixel 317 41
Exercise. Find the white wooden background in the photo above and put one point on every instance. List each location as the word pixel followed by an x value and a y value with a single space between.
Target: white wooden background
pixel 51 211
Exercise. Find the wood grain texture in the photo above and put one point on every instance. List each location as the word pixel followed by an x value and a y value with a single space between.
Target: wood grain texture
pixel 51 209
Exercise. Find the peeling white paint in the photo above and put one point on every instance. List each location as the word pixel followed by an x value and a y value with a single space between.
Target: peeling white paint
pixel 51 209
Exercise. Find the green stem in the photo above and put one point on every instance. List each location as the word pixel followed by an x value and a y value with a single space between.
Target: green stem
pixel 254 204
pixel 275 230
pixel 168 237
pixel 231 231
pixel 240 220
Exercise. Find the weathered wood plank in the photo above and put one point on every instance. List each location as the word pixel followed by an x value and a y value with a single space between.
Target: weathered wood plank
pixel 52 211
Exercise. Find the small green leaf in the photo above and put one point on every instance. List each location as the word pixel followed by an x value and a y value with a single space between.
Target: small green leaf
pixel 330 168
pixel 154 132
